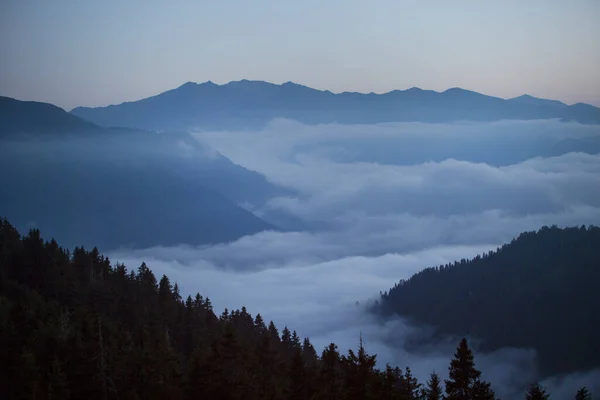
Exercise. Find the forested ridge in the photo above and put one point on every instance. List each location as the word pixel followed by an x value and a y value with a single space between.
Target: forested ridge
pixel 74 326
pixel 539 291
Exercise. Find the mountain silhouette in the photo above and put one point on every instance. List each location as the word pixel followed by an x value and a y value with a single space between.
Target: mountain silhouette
pixel 252 104
pixel 530 100
pixel 32 117
pixel 120 187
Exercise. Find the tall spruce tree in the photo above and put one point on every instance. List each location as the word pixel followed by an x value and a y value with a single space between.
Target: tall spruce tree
pixel 433 390
pixel 583 394
pixel 536 392
pixel 330 374
pixel 464 382
pixel 411 388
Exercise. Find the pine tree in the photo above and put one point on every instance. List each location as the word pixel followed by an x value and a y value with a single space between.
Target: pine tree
pixel 295 340
pixel 297 376
pixel 360 373
pixel 583 394
pixel 260 323
pixel 482 391
pixel 268 369
pixel 433 391
pixel 536 392
pixel 273 332
pixel 464 382
pixel 286 336
pixel 392 383
pixel 309 354
pixel 410 387
pixel 329 380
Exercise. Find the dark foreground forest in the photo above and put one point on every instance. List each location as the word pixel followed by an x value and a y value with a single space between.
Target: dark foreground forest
pixel 73 326
pixel 540 291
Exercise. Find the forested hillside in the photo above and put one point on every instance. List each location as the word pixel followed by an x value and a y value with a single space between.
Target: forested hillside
pixel 73 326
pixel 539 291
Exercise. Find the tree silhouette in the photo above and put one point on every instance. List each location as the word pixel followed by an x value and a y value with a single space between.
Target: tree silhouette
pixel 73 325
pixel 536 392
pixel 433 390
pixel 583 394
pixel 464 379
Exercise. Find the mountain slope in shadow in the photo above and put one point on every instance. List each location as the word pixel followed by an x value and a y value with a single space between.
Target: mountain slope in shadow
pixel 121 187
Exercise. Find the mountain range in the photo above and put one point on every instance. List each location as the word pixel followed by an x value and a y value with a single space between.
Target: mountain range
pixel 252 104
pixel 138 155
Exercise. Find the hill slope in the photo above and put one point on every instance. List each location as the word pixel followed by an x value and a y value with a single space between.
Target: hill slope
pixel 73 325
pixel 251 104
pixel 540 290
pixel 30 117
pixel 120 187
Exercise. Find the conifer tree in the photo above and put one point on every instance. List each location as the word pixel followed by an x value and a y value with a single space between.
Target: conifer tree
pixel 286 336
pixel 583 394
pixel 268 369
pixel 411 388
pixel 329 380
pixel 273 332
pixel 464 382
pixel 536 392
pixel 360 373
pixel 392 385
pixel 433 390
pixel 297 377
pixel 260 323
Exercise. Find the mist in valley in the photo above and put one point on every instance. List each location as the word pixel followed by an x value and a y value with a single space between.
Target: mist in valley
pixel 352 220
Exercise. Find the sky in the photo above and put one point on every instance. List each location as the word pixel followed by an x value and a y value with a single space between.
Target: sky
pixel 99 52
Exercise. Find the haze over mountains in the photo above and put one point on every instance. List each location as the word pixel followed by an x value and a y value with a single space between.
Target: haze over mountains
pixel 252 104
pixel 270 214
pixel 115 187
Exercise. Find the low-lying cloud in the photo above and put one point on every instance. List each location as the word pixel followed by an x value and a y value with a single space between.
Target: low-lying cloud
pixel 319 301
pixel 380 203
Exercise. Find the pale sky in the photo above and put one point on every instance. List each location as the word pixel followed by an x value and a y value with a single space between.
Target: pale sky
pixel 99 52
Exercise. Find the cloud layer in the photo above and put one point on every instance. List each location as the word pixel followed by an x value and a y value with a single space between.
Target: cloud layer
pixel 380 203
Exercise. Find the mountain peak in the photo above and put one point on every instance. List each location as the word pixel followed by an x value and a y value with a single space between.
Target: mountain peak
pixel 189 84
pixel 524 97
pixel 531 100
pixel 459 90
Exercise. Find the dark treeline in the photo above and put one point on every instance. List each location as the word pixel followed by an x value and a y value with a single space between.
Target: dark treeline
pixel 539 291
pixel 73 326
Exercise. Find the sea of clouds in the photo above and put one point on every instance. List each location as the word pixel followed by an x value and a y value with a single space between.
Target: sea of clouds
pixel 374 205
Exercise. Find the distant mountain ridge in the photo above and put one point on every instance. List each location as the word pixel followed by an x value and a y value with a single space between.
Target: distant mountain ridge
pixel 252 104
